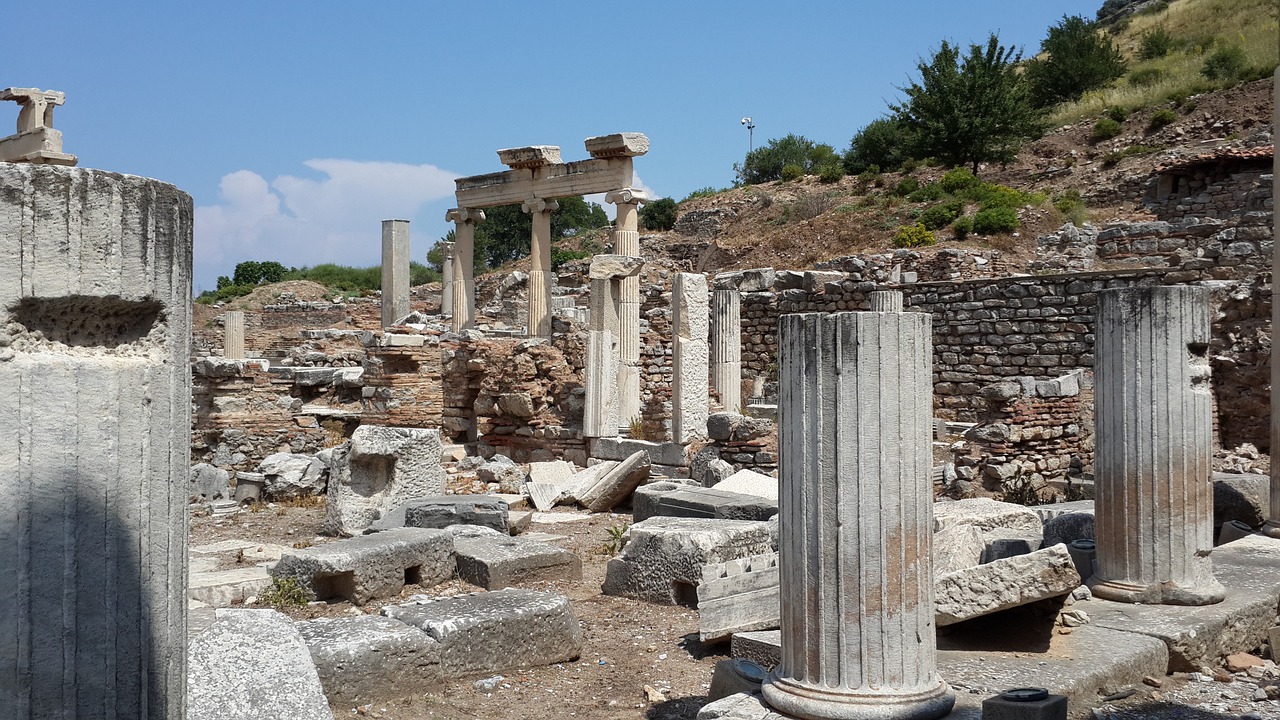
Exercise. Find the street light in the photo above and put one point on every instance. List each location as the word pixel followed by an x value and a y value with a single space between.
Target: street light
pixel 751 126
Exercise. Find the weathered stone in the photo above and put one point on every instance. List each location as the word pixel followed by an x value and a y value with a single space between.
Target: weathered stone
pixel 380 469
pixel 253 664
pixel 627 144
pixel 690 353
pixel 732 426
pixel 660 453
pixel 440 511
pixel 494 560
pixel 233 334
pixel 1069 527
pixel 1240 497
pixel 209 483
pixel 987 515
pixel 738 596
pixel 611 267
pixel 679 500
pixel 734 676
pixel 616 484
pixel 750 482
pixel 556 472
pixel 502 470
pixel 530 157
pixel 373 566
pixel 957 548
pixel 289 475
pixel 370 658
pixel 717 471
pixel 1003 584
pixel 494 631
pixel 726 348
pixel 395 271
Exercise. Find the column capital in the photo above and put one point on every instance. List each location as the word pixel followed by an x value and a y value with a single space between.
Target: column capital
pixel 626 196
pixel 539 205
pixel 464 215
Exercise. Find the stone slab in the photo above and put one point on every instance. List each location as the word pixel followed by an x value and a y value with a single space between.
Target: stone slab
pixel 1242 497
pixel 750 482
pixel 227 587
pixel 495 631
pixel 738 595
pixel 253 664
pixel 493 560
pixel 555 472
pixel 370 658
pixel 987 515
pixel 441 511
pixel 616 484
pixel 613 448
pixel 367 567
pixel 1004 584
pixel 680 500
pixel 957 548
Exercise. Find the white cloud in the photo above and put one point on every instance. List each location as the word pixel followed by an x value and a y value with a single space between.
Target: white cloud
pixel 304 221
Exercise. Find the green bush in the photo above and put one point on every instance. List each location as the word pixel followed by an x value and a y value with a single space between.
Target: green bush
pixel 1145 77
pixel 882 144
pixel 1119 113
pixel 1105 129
pixel 830 173
pixel 1155 44
pixel 989 195
pixel 962 227
pixel 1226 64
pixel 767 163
pixel 927 193
pixel 283 593
pixel 707 191
pixel 659 214
pixel 992 220
pixel 939 216
pixel 1071 205
pixel 1160 118
pixel 906 186
pixel 910 236
pixel 791 171
pixel 958 179
pixel 560 256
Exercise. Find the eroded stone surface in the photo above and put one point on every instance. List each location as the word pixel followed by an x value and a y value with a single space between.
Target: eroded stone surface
pixel 378 470
pixel 494 560
pixel 1003 584
pixel 371 566
pixel 370 658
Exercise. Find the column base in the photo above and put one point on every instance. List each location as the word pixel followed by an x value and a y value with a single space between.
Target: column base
pixel 822 703
pixel 1270 528
pixel 1166 593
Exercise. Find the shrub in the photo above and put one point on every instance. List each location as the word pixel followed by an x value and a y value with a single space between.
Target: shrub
pixel 707 191
pixel 283 593
pixel 927 193
pixel 1071 205
pixel 962 227
pixel 659 214
pixel 791 171
pixel 1155 44
pixel 1119 113
pixel 992 195
pixel 939 216
pixel 830 173
pixel 991 220
pixel 1112 158
pixel 1160 118
pixel 910 236
pixel 958 179
pixel 882 144
pixel 767 163
pixel 1145 77
pixel 906 186
pixel 1226 64
pixel 1105 129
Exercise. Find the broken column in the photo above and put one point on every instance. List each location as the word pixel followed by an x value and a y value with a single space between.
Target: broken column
pixel 601 414
pixel 1272 526
pixel 689 330
pixel 626 241
pixel 95 404
pixel 233 335
pixel 395 271
pixel 855 520
pixel 446 279
pixel 726 342
pixel 886 301
pixel 1152 470
pixel 462 294
pixel 36 141
pixel 540 276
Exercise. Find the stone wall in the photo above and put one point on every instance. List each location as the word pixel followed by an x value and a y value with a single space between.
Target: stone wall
pixel 1212 191
pixel 402 385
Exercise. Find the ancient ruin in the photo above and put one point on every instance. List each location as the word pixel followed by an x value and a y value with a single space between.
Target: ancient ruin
pixel 35 141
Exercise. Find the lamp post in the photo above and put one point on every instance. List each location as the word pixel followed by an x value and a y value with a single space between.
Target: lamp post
pixel 751 126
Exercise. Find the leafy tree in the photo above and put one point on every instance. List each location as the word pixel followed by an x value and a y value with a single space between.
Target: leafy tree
pixel 885 143
pixel 659 214
pixel 1080 58
pixel 251 272
pixel 965 111
pixel 435 256
pixel 765 164
pixel 506 231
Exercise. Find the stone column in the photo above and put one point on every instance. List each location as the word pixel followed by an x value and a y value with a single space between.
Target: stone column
pixel 540 266
pixel 1152 468
pixel 600 416
pixel 856 519
pixel 690 389
pixel 726 342
pixel 395 271
pixel 233 335
pixel 886 301
pixel 626 241
pixel 95 410
pixel 1272 526
pixel 462 297
pixel 446 279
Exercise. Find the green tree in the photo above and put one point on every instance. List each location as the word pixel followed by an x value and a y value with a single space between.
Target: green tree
pixel 251 272
pixel 764 164
pixel 505 233
pixel 659 214
pixel 1079 58
pixel 885 143
pixel 971 110
pixel 435 256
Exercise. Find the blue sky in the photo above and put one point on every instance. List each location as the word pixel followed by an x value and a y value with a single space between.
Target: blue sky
pixel 298 127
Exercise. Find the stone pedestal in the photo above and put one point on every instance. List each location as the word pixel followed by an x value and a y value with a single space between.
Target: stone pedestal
pixel 233 335
pixel 886 301
pixel 540 266
pixel 462 294
pixel 446 280
pixel 1152 469
pixel 1272 526
pixel 395 271
pixel 690 389
pixel 856 521
pixel 95 409
pixel 626 241
pixel 601 415
pixel 726 346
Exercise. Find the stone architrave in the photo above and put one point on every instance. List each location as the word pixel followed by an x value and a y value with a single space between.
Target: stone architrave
pixel 462 289
pixel 690 390
pixel 855 520
pixel 36 141
pixel 446 279
pixel 1153 516
pixel 626 241
pixel 395 271
pixel 601 414
pixel 726 342
pixel 540 277
pixel 95 409
pixel 233 335
pixel 886 301
pixel 1272 526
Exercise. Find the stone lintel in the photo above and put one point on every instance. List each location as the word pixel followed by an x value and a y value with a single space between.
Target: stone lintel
pixel 611 267
pixel 585 177
pixel 533 156
pixel 627 144
pixel 626 196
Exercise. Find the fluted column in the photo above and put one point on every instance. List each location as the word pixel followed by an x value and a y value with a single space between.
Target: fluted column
pixel 540 266
pixel 626 241
pixel 690 390
pixel 856 520
pixel 726 344
pixel 1272 526
pixel 886 301
pixel 1153 462
pixel 395 271
pixel 600 415
pixel 463 294
pixel 446 279
pixel 233 335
